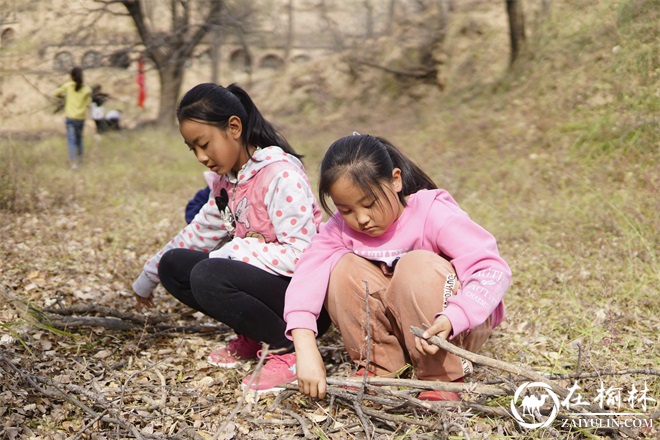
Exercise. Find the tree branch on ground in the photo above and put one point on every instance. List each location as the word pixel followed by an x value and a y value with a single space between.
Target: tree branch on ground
pixel 419 72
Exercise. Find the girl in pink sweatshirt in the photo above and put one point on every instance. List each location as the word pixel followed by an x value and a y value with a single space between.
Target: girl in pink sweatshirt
pixel 235 259
pixel 409 250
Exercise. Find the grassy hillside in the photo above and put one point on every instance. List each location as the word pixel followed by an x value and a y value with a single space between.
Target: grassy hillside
pixel 557 157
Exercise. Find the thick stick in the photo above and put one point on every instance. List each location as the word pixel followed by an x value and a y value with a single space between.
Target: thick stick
pixel 490 362
pixel 510 368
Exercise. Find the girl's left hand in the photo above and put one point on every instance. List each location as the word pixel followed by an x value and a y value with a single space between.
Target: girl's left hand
pixel 142 302
pixel 441 328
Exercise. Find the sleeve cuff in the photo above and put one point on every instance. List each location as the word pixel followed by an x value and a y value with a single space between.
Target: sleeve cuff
pixel 459 321
pixel 300 319
pixel 143 286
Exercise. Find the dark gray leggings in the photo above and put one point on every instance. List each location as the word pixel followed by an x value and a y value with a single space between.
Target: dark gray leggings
pixel 246 298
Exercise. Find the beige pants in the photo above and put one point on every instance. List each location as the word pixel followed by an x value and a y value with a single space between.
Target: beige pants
pixel 412 296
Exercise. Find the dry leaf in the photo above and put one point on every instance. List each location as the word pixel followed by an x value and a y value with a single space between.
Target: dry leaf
pixel 103 354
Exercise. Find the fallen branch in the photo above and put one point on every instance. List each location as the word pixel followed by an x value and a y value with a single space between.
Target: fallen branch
pixel 647 372
pixel 112 319
pixel 513 369
pixel 66 323
pixel 419 73
pixel 456 387
pixel 255 375
pixel 490 362
pixel 108 311
pixel 118 321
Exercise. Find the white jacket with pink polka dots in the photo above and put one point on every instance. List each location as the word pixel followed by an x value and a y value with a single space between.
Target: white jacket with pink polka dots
pixel 271 218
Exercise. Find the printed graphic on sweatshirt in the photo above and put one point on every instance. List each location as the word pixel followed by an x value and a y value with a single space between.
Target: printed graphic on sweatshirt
pixel 225 213
pixel 387 256
pixel 487 292
pixel 242 211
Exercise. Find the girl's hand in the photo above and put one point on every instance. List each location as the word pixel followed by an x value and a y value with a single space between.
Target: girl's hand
pixel 441 328
pixel 309 364
pixel 142 302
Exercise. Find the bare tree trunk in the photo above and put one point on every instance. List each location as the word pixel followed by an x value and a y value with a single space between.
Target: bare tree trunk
pixel 391 13
pixel 217 36
pixel 514 11
pixel 369 25
pixel 171 50
pixel 171 78
pixel 444 7
pixel 545 9
pixel 289 33
pixel 215 52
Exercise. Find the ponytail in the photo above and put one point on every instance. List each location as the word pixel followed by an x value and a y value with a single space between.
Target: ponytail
pixel 213 104
pixel 77 77
pixel 369 161
pixel 412 176
pixel 257 130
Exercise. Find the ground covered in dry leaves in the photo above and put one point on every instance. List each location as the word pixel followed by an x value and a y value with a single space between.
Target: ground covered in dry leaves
pixel 79 362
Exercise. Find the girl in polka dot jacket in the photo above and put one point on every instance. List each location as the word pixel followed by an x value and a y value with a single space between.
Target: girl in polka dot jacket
pixel 234 261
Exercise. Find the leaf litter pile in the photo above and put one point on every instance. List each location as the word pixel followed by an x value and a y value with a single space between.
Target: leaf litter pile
pixel 77 361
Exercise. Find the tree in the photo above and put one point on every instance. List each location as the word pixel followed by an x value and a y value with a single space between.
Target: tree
pixel 514 11
pixel 171 46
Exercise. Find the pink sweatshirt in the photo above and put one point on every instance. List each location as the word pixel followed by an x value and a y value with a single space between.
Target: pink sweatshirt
pixel 433 221
pixel 272 207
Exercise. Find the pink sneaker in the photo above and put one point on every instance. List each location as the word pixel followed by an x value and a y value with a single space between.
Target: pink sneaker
pixel 240 349
pixel 279 369
pixel 361 372
pixel 439 396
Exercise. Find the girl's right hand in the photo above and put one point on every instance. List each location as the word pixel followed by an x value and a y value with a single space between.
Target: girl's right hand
pixel 310 368
pixel 142 302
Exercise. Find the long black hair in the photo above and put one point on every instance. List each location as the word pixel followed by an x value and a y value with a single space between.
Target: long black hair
pixel 214 104
pixel 369 161
pixel 77 77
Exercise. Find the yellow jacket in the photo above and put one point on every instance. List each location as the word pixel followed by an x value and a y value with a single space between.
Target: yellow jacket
pixel 75 102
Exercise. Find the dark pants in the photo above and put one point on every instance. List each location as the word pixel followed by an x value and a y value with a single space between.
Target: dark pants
pixel 101 125
pixel 244 297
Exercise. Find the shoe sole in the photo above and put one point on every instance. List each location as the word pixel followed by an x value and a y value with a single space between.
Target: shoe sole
pixel 228 364
pixel 275 389
pixel 224 365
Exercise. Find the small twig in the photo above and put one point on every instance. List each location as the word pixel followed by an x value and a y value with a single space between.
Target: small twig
pixel 248 389
pixel 360 395
pixel 328 412
pixel 88 425
pixel 648 372
pixel 280 398
pixel 262 421
pixel 163 388
pixel 459 428
pixel 363 420
pixel 579 359
pixel 397 418
pixel 501 378
pixel 306 432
